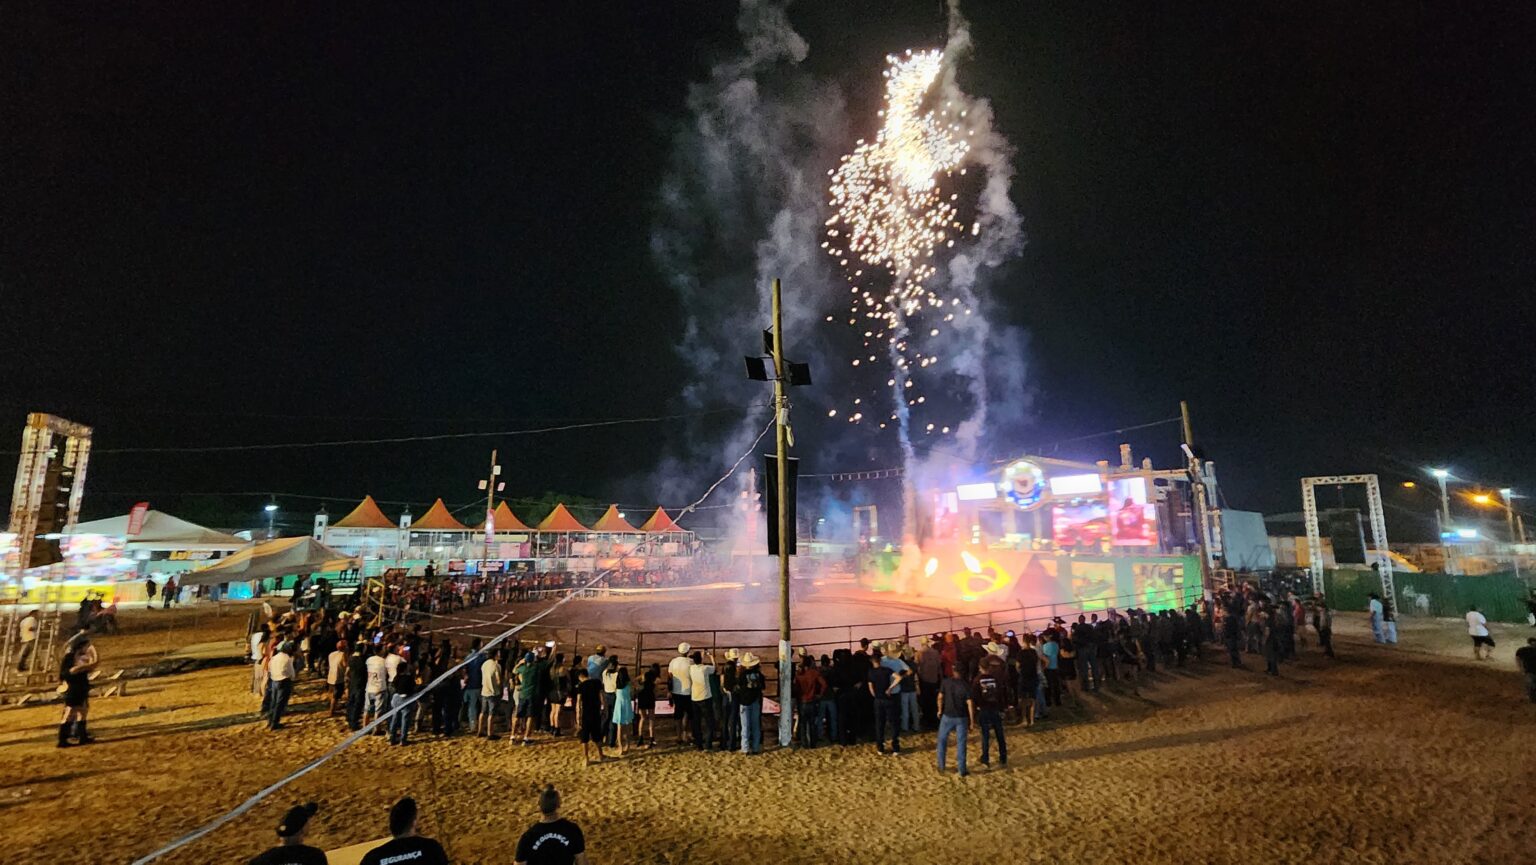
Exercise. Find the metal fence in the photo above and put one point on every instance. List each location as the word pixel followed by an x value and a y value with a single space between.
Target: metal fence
pixel 638 649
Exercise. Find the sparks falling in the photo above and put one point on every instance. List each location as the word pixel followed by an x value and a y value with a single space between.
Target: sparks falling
pixel 891 214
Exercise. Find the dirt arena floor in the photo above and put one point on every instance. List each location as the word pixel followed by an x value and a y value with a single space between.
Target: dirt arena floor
pixel 1413 754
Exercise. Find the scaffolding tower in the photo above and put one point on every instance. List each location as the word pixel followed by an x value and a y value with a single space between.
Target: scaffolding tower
pixel 1378 531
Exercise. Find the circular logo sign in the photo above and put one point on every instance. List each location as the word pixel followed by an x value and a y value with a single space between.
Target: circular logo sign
pixel 1023 484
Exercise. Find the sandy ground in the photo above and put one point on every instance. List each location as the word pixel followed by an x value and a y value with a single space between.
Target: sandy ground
pixel 1413 754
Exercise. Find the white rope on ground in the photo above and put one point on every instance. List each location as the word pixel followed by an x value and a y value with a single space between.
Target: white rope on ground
pixel 348 742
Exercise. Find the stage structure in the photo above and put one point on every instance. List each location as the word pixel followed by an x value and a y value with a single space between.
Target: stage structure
pixel 1382 561
pixel 45 503
pixel 1042 530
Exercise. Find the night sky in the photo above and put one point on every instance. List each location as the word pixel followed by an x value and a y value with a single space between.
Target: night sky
pixel 292 223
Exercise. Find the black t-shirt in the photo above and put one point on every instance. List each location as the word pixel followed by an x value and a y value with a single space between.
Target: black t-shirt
pixel 1526 655
pixel 749 686
pixel 591 694
pixel 880 678
pixel 297 854
pixel 990 691
pixel 553 843
pixel 407 851
pixel 955 693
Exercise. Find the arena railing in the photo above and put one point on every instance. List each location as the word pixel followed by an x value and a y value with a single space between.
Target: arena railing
pixel 637 649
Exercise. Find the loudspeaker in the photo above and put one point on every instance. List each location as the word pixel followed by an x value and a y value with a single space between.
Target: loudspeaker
pixel 771 496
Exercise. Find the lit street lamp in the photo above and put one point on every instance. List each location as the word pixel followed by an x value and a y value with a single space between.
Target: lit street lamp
pixel 271 509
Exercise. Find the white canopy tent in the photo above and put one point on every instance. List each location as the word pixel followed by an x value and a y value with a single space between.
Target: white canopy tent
pixel 161 531
pixel 276 558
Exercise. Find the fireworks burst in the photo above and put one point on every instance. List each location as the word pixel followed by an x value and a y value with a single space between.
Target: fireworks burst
pixel 890 215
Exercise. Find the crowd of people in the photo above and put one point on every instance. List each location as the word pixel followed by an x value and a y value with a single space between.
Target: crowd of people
pixel 528 691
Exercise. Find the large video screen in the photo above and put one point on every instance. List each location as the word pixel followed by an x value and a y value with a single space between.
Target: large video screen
pixel 1133 517
pixel 1079 527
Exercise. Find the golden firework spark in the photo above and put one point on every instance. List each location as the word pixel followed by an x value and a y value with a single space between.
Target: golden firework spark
pixel 889 210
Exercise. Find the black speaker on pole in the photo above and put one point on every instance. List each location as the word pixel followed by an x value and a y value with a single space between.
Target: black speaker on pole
pixel 771 496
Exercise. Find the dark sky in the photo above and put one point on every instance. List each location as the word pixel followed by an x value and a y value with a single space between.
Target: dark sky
pixel 291 223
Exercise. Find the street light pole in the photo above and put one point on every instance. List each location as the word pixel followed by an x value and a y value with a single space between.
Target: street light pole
pixel 1445 498
pixel 271 509
pixel 781 452
pixel 1509 512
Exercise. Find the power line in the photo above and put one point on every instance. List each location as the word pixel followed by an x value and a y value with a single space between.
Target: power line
pixel 403 439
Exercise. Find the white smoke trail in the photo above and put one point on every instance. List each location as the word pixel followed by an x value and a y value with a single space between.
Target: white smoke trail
pixel 745 177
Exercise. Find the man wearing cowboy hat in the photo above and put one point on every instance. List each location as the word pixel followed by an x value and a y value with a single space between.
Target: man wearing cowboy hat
pixel 680 690
pixel 749 697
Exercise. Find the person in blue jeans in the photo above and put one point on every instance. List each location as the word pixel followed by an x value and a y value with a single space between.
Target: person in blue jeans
pixel 957 712
pixel 749 697
pixel 401 692
pixel 472 682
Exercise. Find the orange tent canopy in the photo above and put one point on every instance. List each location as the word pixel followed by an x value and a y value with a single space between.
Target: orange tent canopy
pixel 437 518
pixel 506 521
pixel 365 516
pixel 560 520
pixel 660 522
pixel 612 521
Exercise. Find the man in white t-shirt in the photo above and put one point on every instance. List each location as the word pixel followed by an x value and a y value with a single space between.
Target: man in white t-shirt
pixel 702 713
pixel 490 693
pixel 1477 627
pixel 280 675
pixel 679 688
pixel 392 662
pixel 336 674
pixel 375 694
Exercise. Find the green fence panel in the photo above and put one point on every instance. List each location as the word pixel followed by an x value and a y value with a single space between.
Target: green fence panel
pixel 1500 597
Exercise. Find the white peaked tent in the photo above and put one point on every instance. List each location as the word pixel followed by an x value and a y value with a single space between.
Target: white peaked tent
pixel 162 531
pixel 276 558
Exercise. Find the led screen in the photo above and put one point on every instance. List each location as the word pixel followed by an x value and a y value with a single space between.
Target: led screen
pixel 1134 519
pixel 1084 526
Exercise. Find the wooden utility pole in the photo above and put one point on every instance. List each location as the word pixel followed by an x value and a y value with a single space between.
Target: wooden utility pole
pixel 1198 501
pixel 781 452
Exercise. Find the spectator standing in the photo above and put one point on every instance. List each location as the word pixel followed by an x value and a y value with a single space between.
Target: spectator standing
pixel 1374 609
pixel 1322 622
pixel 402 691
pixel 490 692
pixel 405 846
pixel 526 675
pixel 1050 650
pixel 749 699
pixel 702 713
pixel 589 715
pixel 930 671
pixel 357 685
pixel 992 695
pixel 809 689
pixel 680 688
pixel 291 849
pixel 645 706
pixel 623 707
pixel 336 677
pixel 1477 627
pixel 610 697
pixel 75 670
pixel 280 675
pixel 553 840
pixel 883 687
pixel 472 681
pixel 956 713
